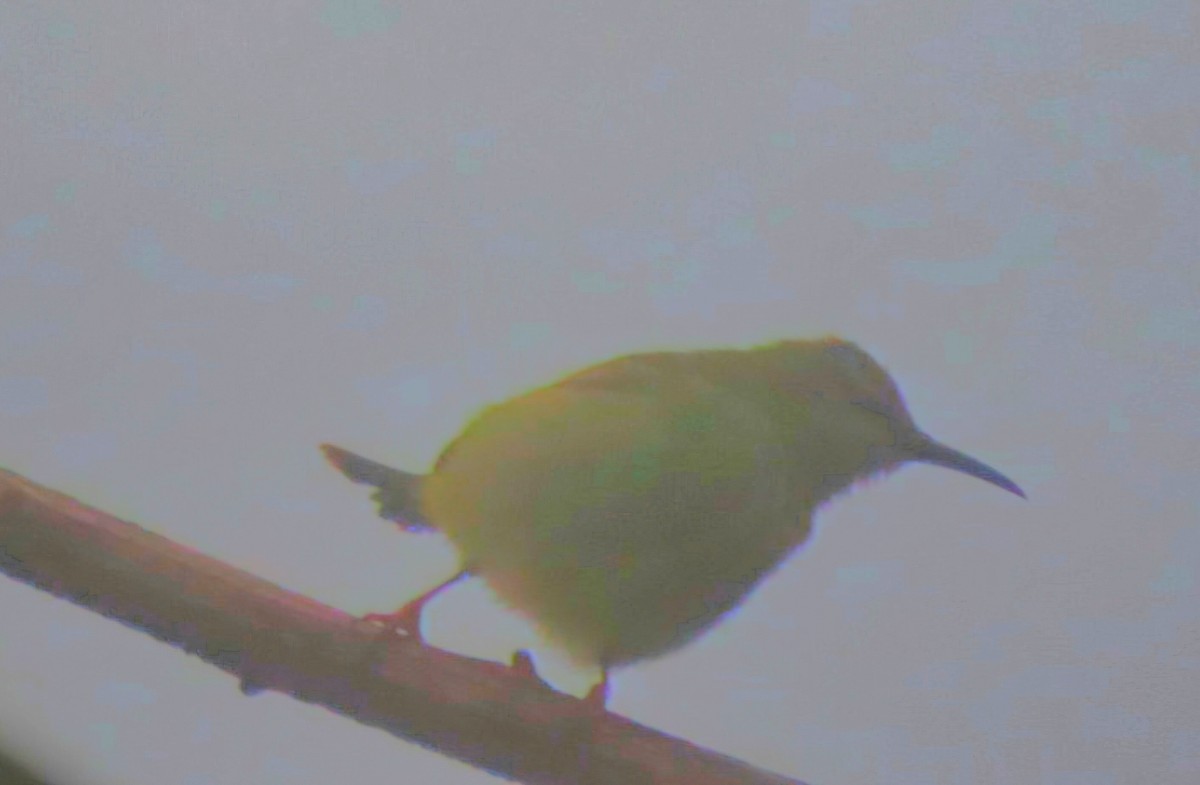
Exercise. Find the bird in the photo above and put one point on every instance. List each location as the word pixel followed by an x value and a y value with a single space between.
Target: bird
pixel 627 507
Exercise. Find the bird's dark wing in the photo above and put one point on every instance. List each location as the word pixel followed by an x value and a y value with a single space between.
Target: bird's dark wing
pixel 397 493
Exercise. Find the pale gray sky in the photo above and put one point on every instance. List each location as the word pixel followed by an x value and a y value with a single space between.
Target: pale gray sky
pixel 231 231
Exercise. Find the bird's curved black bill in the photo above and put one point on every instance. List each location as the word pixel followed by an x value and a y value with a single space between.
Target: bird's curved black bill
pixel 929 451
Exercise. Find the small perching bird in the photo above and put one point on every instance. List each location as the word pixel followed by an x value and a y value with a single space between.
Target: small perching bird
pixel 626 507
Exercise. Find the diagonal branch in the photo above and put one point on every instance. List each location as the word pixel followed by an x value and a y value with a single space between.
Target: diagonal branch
pixel 482 713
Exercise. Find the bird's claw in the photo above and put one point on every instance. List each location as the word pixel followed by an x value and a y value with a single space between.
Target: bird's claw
pixel 405 622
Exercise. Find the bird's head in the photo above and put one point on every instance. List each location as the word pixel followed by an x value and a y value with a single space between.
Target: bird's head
pixel 855 423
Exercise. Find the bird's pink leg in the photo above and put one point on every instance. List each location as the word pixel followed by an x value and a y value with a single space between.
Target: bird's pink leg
pixel 407 620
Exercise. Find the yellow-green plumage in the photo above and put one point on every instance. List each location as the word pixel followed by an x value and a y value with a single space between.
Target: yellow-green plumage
pixel 626 507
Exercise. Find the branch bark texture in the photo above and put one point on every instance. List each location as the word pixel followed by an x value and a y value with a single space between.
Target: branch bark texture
pixel 482 713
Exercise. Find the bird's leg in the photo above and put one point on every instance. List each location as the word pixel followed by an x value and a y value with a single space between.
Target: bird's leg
pixel 597 696
pixel 407 620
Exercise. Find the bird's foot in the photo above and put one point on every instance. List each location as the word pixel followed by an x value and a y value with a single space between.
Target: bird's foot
pixel 405 622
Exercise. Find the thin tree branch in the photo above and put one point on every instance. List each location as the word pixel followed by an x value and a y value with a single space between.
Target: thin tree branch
pixel 482 713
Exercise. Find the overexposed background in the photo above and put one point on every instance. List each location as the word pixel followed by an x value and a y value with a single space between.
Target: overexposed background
pixel 231 231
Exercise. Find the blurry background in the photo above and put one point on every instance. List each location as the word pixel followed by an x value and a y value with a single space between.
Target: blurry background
pixel 231 231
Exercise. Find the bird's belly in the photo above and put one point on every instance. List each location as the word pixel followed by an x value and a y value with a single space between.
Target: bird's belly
pixel 616 597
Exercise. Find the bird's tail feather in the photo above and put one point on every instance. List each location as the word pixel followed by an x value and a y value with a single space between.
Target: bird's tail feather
pixel 397 493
